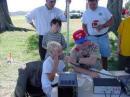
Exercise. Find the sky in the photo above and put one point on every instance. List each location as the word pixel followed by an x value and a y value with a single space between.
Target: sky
pixel 27 5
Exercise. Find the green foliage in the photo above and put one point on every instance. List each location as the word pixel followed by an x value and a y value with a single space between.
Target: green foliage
pixel 127 5
pixel 32 42
pixel 71 44
pixel 113 59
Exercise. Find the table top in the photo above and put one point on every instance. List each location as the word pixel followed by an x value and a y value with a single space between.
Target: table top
pixel 119 73
pixel 85 86
pixel 84 93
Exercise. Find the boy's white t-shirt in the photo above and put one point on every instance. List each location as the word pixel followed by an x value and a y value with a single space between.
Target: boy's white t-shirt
pixel 101 14
pixel 47 68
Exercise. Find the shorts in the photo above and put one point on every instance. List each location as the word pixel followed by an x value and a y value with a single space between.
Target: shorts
pixel 103 43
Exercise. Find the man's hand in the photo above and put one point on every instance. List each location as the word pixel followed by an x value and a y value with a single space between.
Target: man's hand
pixel 70 59
pixel 107 24
pixel 94 74
pixel 55 55
pixel 33 25
pixel 99 28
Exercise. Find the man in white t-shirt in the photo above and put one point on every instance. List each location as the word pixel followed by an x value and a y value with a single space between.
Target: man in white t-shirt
pixel 40 19
pixel 96 22
pixel 51 66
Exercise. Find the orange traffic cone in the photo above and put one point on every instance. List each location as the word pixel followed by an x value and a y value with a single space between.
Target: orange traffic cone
pixel 9 58
pixel 0 63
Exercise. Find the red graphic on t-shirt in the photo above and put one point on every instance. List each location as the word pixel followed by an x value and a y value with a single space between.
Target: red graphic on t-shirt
pixel 95 23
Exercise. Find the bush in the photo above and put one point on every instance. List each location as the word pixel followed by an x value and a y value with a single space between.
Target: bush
pixel 113 59
pixel 32 42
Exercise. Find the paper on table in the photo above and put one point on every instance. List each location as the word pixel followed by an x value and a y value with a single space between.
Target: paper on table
pixel 103 74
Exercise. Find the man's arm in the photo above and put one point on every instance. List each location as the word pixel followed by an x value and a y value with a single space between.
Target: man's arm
pixel 63 42
pixel 30 17
pixel 108 23
pixel 88 60
pixel 55 57
pixel 84 26
pixel 32 25
pixel 44 42
pixel 105 25
pixel 85 71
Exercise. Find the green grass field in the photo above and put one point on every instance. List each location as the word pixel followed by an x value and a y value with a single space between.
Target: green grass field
pixel 15 43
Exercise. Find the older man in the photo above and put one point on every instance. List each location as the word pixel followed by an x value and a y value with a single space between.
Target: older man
pixel 96 21
pixel 84 55
pixel 40 19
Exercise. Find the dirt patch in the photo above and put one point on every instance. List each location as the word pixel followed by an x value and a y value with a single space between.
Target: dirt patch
pixel 8 78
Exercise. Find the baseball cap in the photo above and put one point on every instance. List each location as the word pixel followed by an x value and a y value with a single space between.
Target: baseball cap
pixel 79 36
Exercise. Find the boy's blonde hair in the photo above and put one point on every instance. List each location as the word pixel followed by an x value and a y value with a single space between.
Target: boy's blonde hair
pixel 52 45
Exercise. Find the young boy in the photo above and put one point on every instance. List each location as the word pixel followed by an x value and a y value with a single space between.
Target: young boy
pixel 54 34
pixel 51 66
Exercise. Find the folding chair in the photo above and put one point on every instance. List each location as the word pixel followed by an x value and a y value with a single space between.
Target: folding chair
pixel 29 80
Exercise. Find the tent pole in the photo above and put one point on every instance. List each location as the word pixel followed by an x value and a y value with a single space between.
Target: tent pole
pixel 68 29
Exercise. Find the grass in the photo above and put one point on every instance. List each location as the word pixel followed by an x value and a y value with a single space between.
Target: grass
pixel 16 43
